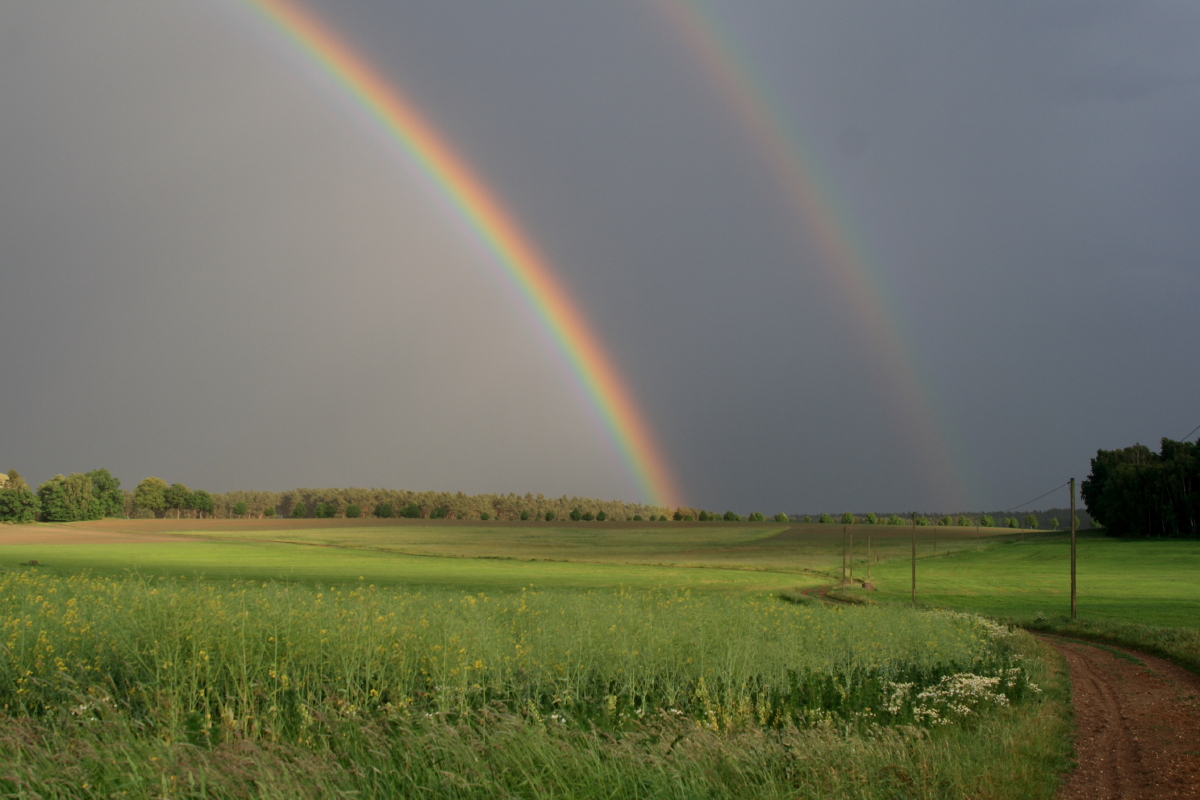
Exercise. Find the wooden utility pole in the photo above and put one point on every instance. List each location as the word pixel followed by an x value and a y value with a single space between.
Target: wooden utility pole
pixel 843 558
pixel 1072 548
pixel 868 558
pixel 914 558
pixel 851 559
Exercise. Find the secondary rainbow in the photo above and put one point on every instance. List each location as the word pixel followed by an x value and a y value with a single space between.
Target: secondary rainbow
pixel 845 253
pixel 496 229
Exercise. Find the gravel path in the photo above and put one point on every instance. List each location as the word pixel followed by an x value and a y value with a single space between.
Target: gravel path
pixel 1138 725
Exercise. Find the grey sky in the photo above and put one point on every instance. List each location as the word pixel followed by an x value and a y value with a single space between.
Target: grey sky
pixel 213 272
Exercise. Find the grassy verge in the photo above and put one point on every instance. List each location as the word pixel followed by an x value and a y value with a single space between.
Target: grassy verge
pixel 1180 645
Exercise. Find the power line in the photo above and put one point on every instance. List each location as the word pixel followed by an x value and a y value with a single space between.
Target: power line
pixel 1039 497
pixel 1193 430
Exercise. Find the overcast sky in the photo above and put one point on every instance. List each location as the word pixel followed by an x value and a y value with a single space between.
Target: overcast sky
pixel 214 271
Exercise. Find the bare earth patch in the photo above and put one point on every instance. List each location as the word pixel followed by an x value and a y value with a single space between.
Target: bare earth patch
pixel 70 534
pixel 1138 725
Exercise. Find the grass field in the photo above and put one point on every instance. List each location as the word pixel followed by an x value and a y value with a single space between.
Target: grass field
pixel 461 660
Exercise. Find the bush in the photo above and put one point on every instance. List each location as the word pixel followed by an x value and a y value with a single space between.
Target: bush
pixel 549 516
pixel 895 519
pixel 687 517
pixel 411 511
pixel 324 511
pixel 576 515
pixel 524 515
pixel 441 512
pixel 588 516
pixel 384 511
pixel 239 509
pixel 485 516
pixel 269 511
pixel 756 516
pixel 964 521
pixel 704 516
pixel 662 518
pixel 1011 522
pixel 637 517
pixel 945 521
pixel 353 511
pixel 825 519
pixel 299 511
pixel 732 517
pixel 922 521
pixel 848 519
pixel 872 518
pixel 806 518
pixel 601 516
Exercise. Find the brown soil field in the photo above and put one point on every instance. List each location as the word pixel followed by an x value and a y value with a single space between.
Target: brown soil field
pixel 75 533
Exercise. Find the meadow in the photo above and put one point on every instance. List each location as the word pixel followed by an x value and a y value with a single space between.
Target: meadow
pixel 317 660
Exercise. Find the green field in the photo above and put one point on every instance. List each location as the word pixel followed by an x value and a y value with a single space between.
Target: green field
pixel 1149 582
pixel 326 658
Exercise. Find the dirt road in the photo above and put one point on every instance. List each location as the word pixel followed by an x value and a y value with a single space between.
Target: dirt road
pixel 1138 720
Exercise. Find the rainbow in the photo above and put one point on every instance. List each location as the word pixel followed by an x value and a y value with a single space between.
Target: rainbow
pixel 398 118
pixel 845 253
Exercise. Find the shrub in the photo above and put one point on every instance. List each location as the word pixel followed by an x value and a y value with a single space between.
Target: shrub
pixel 239 509
pixel 662 518
pixel 964 521
pixel 353 511
pixel 411 511
pixel 576 515
pixel 637 517
pixel 588 516
pixel 895 519
pixel 324 511
pixel 732 517
pixel 678 515
pixel 756 516
pixel 549 516
pixel 704 516
pixel 269 511
pixel 299 511
pixel 441 512
pixel 848 519
pixel 825 519
pixel 922 521
pixel 806 518
pixel 987 522
pixel 945 521
pixel 872 518
pixel 1012 522
pixel 687 517
pixel 384 511
pixel 524 515
pixel 485 516
pixel 601 516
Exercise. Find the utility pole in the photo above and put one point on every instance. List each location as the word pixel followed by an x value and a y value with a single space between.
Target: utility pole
pixel 1072 548
pixel 868 558
pixel 914 558
pixel 843 558
pixel 851 559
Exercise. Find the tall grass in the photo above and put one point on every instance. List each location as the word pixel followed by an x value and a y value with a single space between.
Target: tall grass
pixel 239 689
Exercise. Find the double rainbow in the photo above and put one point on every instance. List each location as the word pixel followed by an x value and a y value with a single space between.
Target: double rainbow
pixel 533 277
pixel 843 252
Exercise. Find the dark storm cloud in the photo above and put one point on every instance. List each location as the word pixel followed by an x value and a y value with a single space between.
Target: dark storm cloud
pixel 212 272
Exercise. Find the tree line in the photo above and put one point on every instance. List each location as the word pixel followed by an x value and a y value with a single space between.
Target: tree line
pixel 97 494
pixel 1052 519
pixel 1136 492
